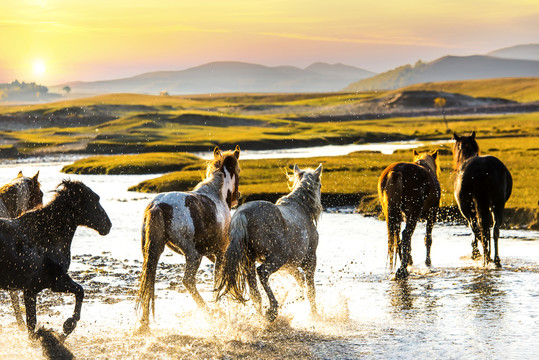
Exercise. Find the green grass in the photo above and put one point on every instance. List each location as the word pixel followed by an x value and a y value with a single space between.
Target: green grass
pixel 132 164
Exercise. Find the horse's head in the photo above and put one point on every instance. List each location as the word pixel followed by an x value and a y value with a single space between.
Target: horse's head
pixel 35 195
pixel 309 182
pixel 22 194
pixel 227 163
pixel 84 205
pixel 464 148
pixel 428 160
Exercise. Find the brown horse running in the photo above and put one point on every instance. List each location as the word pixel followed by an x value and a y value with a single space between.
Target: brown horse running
pixel 482 187
pixel 409 192
pixel 190 223
pixel 17 196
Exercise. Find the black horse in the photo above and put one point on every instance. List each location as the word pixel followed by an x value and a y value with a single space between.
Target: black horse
pixel 35 248
pixel 482 187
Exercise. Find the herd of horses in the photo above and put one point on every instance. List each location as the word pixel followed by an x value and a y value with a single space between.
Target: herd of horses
pixel 35 239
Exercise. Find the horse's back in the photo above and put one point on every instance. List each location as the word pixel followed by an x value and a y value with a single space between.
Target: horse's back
pixel 487 177
pixel 195 218
pixel 266 228
pixel 414 182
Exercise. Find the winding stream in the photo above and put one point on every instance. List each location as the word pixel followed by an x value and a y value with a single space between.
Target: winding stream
pixel 456 309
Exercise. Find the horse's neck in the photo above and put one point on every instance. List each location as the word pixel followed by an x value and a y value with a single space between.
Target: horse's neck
pixel 52 226
pixel 211 188
pixel 302 200
pixel 428 166
pixel 461 161
pixel 4 212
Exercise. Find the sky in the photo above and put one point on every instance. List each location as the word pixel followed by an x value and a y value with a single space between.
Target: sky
pixel 55 41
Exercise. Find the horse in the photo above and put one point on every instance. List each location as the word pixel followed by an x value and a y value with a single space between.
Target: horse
pixel 482 186
pixel 35 248
pixel 280 235
pixel 190 223
pixel 409 192
pixel 19 195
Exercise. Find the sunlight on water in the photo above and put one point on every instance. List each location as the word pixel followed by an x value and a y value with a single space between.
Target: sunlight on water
pixel 456 309
pixel 328 150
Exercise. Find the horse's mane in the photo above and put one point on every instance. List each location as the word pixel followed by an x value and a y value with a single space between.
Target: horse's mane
pixel 431 163
pixel 462 154
pixel 213 182
pixel 304 193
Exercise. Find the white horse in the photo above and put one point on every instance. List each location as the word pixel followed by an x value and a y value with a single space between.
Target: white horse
pixel 280 235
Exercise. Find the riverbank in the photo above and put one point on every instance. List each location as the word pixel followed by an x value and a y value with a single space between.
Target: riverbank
pixel 347 181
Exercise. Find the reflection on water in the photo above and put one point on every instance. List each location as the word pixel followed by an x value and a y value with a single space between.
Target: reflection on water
pixel 456 309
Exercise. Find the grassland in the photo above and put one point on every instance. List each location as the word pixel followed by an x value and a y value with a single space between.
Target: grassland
pixel 143 124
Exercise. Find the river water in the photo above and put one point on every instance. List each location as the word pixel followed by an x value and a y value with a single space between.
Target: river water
pixel 456 309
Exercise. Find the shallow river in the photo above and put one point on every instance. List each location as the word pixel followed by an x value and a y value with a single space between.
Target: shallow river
pixel 456 309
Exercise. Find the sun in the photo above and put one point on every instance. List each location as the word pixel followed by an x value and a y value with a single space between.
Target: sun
pixel 39 67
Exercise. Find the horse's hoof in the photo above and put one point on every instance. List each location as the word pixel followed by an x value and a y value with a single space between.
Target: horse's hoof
pixel 271 315
pixel 401 273
pixel 475 254
pixel 69 325
pixel 143 329
pixel 428 262
pixel 410 261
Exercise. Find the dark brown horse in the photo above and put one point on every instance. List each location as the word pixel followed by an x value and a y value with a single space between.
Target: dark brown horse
pixel 17 196
pixel 190 223
pixel 482 187
pixel 409 192
pixel 35 248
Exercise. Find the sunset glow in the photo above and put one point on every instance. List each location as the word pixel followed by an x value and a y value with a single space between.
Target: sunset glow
pixel 109 39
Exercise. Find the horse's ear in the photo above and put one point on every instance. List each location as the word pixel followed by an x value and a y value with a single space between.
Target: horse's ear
pixel 434 154
pixel 415 152
pixel 296 169
pixel 456 137
pixel 237 152
pixel 217 153
pixel 473 135
pixel 19 174
pixel 35 176
pixel 318 170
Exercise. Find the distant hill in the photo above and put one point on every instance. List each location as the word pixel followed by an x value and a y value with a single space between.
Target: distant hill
pixel 448 68
pixel 522 52
pixel 516 89
pixel 226 77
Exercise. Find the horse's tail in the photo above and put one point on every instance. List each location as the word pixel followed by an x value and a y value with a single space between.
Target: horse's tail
pixel 153 244
pixel 236 262
pixel 392 204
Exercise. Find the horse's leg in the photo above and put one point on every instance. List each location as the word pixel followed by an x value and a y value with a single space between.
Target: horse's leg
pixel 217 273
pixel 498 218
pixel 476 236
pixel 406 240
pixel 192 263
pixel 64 283
pixel 271 265
pixel 30 305
pixel 253 288
pixel 428 235
pixel 309 266
pixel 484 219
pixel 16 307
